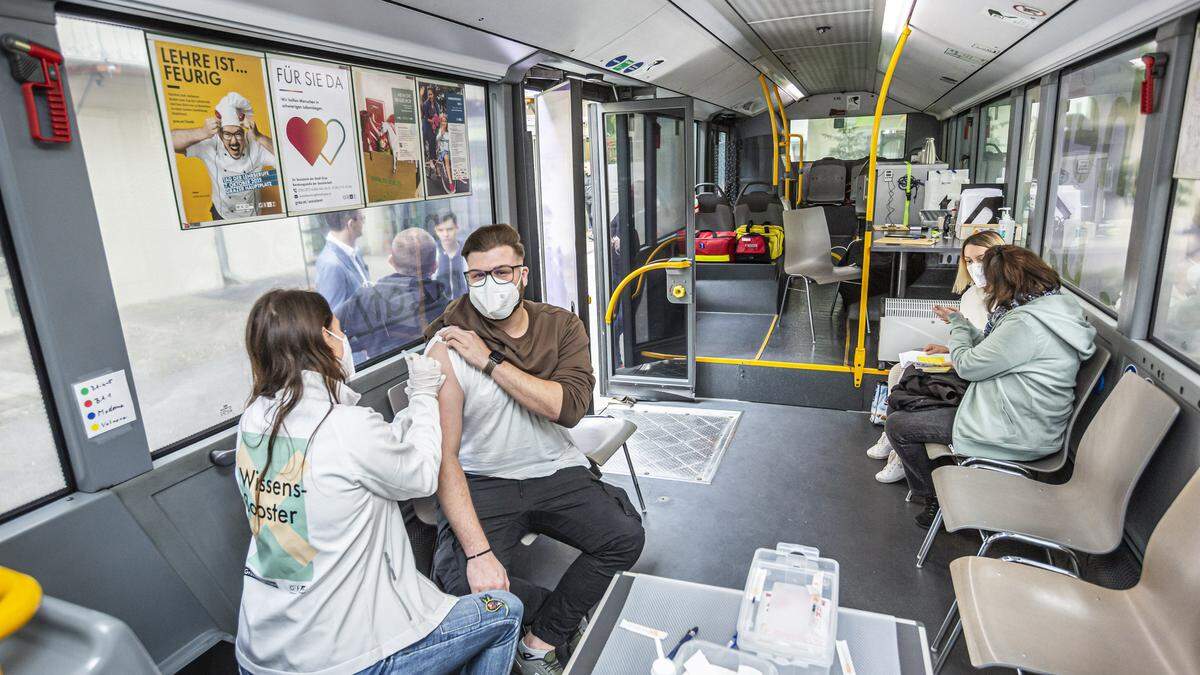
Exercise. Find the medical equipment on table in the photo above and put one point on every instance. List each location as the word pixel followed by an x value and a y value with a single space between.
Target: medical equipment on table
pixel 789 608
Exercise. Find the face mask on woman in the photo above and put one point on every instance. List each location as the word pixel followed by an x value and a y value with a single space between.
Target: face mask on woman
pixel 495 300
pixel 346 360
pixel 975 269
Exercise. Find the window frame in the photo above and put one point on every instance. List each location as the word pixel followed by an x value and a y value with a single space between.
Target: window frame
pixel 1053 156
pixel 240 40
pixel 29 331
pixel 981 137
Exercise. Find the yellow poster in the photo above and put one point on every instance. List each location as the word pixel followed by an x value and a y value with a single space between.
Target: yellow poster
pixel 216 116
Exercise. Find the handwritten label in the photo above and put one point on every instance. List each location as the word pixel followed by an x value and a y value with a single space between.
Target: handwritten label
pixel 104 403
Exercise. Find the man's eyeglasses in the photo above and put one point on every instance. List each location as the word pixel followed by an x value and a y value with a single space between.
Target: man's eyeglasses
pixel 501 274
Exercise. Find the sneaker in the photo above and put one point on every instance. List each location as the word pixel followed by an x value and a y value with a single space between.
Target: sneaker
pixel 925 518
pixel 881 449
pixel 893 472
pixel 528 664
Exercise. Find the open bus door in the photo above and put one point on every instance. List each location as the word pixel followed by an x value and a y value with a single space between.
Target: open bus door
pixel 644 222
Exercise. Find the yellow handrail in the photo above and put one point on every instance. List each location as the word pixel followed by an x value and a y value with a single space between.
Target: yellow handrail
pixel 860 350
pixel 20 596
pixel 762 81
pixel 664 265
pixel 650 258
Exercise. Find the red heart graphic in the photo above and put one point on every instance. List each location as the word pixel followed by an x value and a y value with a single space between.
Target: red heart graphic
pixel 307 137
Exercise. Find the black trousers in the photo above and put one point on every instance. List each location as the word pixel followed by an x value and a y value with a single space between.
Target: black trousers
pixel 573 506
pixel 908 432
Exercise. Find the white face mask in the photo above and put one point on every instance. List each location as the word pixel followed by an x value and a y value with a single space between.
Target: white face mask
pixel 976 272
pixel 495 300
pixel 347 358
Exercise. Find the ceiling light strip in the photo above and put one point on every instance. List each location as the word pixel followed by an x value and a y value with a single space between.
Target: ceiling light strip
pixel 809 16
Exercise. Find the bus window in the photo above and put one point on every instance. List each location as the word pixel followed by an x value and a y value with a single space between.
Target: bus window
pixel 995 141
pixel 849 137
pixel 30 468
pixel 183 295
pixel 1098 141
pixel 1177 314
pixel 1026 180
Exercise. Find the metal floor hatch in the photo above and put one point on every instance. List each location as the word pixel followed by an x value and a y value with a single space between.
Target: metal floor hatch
pixel 684 444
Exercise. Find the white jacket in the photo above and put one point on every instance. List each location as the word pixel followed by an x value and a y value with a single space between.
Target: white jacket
pixel 330 586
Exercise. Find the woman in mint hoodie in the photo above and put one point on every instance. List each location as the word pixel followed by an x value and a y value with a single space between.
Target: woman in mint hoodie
pixel 1021 368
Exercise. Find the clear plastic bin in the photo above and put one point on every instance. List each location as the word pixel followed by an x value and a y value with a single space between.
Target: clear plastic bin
pixel 789 609
pixel 736 661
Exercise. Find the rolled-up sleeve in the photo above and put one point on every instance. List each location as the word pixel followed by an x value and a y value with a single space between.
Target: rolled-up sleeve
pixel 574 373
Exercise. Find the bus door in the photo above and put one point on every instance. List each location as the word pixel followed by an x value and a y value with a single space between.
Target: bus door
pixel 643 218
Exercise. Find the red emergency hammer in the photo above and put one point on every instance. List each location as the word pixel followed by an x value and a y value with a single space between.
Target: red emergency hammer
pixel 25 57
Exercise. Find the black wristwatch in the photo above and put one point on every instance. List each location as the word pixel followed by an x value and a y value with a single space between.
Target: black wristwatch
pixel 494 359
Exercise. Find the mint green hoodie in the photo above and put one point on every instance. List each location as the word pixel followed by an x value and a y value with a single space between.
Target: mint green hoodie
pixel 1022 377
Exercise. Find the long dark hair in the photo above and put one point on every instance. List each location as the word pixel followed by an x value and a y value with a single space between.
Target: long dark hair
pixel 1014 272
pixel 285 336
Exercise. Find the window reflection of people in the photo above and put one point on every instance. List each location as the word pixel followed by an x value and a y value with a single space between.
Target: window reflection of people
pixel 230 144
pixel 450 263
pixel 341 269
pixel 396 309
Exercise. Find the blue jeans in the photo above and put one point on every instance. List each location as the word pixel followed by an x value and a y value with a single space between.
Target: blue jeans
pixel 478 637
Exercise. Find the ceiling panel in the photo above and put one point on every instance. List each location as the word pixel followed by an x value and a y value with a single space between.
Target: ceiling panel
pixel 757 10
pixel 833 68
pixel 569 28
pixel 854 27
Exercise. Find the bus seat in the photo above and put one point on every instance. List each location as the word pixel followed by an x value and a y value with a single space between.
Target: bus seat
pixel 66 638
pixel 825 182
pixel 713 212
pixel 758 208
pixel 1041 620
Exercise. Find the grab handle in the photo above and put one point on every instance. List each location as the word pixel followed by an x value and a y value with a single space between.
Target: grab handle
pixel 664 265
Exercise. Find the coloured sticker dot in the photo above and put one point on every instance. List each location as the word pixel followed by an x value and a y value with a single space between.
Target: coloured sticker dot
pixel 87 404
pixel 95 427
pixel 91 416
pixel 84 391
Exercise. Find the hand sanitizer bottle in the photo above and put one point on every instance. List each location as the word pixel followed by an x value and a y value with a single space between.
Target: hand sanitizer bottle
pixel 1007 227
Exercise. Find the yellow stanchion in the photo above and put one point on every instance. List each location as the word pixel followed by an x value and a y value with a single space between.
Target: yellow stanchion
pixel 860 350
pixel 650 258
pixel 762 81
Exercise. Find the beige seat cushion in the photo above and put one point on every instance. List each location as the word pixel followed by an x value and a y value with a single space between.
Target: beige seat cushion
pixel 937 450
pixel 975 498
pixel 1023 617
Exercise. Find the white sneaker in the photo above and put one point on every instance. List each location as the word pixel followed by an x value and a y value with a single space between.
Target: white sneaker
pixel 893 472
pixel 881 449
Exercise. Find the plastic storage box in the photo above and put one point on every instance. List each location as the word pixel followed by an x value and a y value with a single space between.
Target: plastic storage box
pixel 789 609
pixel 735 661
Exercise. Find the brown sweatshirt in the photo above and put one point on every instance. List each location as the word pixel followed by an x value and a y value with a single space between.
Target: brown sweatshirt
pixel 555 347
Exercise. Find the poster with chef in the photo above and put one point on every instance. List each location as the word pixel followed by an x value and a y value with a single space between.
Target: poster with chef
pixel 444 149
pixel 216 117
pixel 314 110
pixel 386 105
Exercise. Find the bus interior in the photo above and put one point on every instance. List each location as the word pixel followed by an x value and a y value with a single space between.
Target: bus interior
pixel 753 206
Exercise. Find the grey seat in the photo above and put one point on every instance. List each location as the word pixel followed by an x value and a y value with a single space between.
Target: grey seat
pixel 1085 382
pixel 1036 618
pixel 1087 513
pixel 825 182
pixel 757 207
pixel 713 211
pixel 858 188
pixel 806 256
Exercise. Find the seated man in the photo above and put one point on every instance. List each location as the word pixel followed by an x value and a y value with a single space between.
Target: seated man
pixel 517 373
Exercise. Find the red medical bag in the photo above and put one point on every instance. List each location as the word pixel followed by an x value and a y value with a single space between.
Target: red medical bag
pixel 715 246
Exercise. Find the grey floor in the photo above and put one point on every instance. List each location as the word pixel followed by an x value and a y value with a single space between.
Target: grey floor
pixel 797 475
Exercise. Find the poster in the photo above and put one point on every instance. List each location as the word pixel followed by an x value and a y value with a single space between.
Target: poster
pixel 444 149
pixel 314 107
pixel 216 117
pixel 388 140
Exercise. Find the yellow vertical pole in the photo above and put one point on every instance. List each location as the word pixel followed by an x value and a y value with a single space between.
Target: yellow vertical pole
pixel 762 80
pixel 860 350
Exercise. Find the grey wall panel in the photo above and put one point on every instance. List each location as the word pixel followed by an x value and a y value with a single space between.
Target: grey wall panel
pixel 86 549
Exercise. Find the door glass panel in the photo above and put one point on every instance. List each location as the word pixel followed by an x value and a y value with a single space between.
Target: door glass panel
pixel 646 206
pixel 557 163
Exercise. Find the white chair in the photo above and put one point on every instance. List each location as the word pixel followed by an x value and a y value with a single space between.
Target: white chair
pixel 806 247
pixel 599 436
